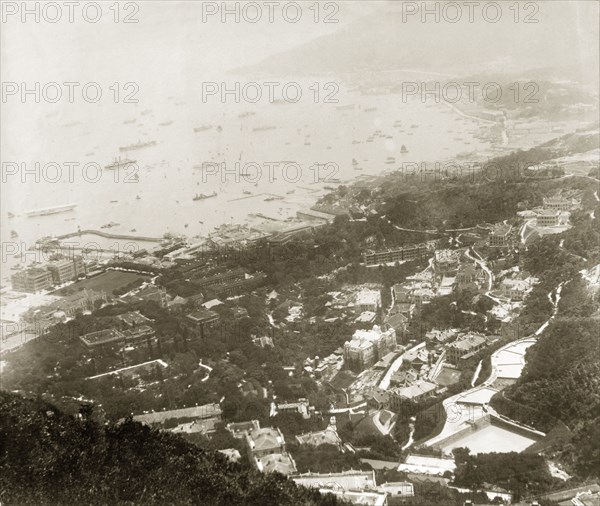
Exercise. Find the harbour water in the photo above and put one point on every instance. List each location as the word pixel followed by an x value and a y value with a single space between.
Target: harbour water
pixel 156 194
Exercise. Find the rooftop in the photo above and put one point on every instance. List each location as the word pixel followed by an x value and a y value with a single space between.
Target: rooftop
pixel 276 462
pixel 345 479
pixel 468 341
pixel 200 412
pixel 365 338
pixel 239 428
pixel 101 337
pixel 358 497
pixel 502 229
pixel 416 390
pixel 265 439
pixel 368 297
pixel 202 315
pixel 427 465
pixel 133 318
pixel 548 212
pixel 327 436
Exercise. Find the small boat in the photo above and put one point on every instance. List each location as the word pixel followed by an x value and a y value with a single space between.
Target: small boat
pixel 138 145
pixel 118 163
pixel 203 128
pixel 133 230
pixel 13 234
pixel 114 201
pixel 202 196
pixel 403 149
pixel 137 197
pixel 165 123
pixel 11 215
pixel 129 121
pixel 246 192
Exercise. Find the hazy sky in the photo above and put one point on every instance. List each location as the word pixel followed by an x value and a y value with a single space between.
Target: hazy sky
pixel 170 37
pixel 171 40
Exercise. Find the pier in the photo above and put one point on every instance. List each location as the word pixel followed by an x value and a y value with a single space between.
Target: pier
pixel 110 236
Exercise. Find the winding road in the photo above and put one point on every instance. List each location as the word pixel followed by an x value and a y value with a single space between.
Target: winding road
pixel 507 362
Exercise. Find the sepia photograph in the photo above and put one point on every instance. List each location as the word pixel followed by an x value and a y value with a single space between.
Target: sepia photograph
pixel 300 253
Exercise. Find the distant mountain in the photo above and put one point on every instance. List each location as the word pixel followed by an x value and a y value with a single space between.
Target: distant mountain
pixel 385 40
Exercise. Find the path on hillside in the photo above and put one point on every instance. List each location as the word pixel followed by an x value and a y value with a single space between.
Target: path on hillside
pixel 479 261
pixel 208 368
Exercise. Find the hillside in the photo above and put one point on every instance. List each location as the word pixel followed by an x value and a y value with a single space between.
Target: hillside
pixel 48 457
pixel 560 383
pixel 390 40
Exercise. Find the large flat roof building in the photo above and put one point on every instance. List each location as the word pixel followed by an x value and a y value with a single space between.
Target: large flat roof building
pixel 66 269
pixel 100 337
pixel 401 254
pixel 367 300
pixel 31 280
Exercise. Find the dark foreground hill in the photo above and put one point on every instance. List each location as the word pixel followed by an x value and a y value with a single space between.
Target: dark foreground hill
pixel 48 457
